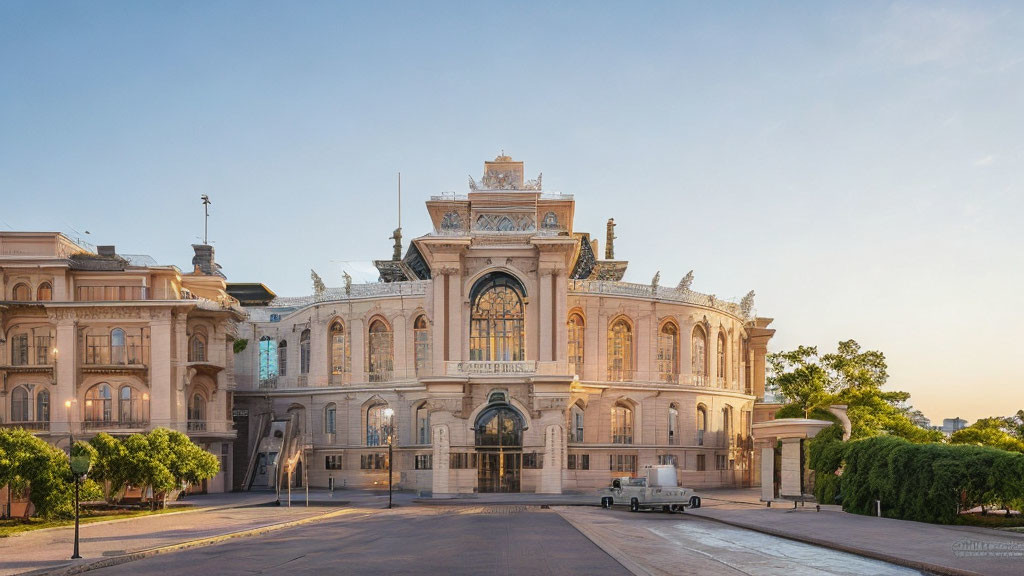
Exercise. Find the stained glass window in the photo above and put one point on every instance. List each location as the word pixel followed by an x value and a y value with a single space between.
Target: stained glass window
pixel 620 351
pixel 381 352
pixel 668 344
pixel 496 323
pixel 268 359
pixel 698 356
pixel 339 349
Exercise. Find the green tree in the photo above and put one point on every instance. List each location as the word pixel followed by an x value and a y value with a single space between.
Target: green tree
pixel 988 432
pixel 29 462
pixel 799 376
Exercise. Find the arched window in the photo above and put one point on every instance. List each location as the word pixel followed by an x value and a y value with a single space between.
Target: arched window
pixel 282 358
pixel 699 356
pixel 381 352
pixel 304 352
pixel 21 293
pixel 576 329
pixel 620 351
pixel 576 423
pixel 422 424
pixel 499 425
pixel 421 345
pixel 197 407
pixel 130 406
pixel 97 404
pixel 43 406
pixel 668 345
pixel 622 424
pixel 19 405
pixel 702 424
pixel 45 292
pixel 117 346
pixel 331 419
pixel 727 439
pixel 673 424
pixel 379 425
pixel 197 348
pixel 496 330
pixel 268 360
pixel 720 373
pixel 339 349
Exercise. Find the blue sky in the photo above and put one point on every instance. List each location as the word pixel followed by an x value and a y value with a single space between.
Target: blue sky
pixel 857 164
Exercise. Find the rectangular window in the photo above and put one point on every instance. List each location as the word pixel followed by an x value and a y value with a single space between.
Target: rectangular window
pixel 701 463
pixel 97 349
pixel 424 461
pixel 532 462
pixel 667 459
pixel 579 462
pixel 333 462
pixel 43 349
pixel 376 461
pixel 19 350
pixel 461 461
pixel 721 461
pixel 622 463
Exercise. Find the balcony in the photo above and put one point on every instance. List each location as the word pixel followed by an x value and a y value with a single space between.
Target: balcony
pixel 30 425
pixel 115 425
pixel 222 428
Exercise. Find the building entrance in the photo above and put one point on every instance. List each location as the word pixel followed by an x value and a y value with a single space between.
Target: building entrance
pixel 499 441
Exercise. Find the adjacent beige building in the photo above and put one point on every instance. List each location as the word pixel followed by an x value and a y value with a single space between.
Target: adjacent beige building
pixel 499 354
pixel 100 341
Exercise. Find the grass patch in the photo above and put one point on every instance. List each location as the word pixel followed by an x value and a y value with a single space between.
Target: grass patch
pixel 9 527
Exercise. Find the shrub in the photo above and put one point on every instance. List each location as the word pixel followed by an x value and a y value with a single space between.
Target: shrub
pixel 924 482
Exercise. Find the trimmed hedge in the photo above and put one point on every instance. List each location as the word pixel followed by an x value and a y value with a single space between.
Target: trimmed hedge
pixel 924 482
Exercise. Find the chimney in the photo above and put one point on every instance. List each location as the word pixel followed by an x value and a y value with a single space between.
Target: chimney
pixel 203 261
pixel 106 251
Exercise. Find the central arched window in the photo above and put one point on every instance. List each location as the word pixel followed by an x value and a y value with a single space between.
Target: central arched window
pixel 339 349
pixel 668 344
pixel 576 330
pixel 496 329
pixel 379 425
pixel 499 425
pixel 620 351
pixel 622 424
pixel 421 345
pixel 699 355
pixel 97 404
pixel 381 352
pixel 304 352
pixel 19 405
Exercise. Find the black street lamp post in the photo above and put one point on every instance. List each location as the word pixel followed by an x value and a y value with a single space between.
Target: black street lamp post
pixel 79 468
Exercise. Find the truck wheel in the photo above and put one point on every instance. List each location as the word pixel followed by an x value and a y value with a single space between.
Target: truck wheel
pixel 666 508
pixel 634 505
pixel 606 502
pixel 673 508
pixel 694 501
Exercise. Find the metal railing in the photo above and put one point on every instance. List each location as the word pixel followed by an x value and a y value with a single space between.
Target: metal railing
pixel 665 293
pixel 31 425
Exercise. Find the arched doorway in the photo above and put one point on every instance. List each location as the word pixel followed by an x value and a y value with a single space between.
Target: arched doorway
pixel 499 445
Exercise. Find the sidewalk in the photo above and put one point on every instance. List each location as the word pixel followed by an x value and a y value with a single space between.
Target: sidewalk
pixel 935 548
pixel 207 515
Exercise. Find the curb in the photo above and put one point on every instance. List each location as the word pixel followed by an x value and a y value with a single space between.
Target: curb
pixel 920 566
pixel 67 569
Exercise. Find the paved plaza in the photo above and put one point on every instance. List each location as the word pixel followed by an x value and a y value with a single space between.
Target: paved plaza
pixel 509 534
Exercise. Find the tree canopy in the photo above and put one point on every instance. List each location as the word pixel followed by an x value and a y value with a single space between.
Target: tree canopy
pixel 811 381
pixel 994 432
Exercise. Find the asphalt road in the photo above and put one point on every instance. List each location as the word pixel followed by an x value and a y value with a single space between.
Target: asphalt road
pixel 484 540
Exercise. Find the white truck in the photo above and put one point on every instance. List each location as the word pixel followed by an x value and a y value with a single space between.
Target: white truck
pixel 657 488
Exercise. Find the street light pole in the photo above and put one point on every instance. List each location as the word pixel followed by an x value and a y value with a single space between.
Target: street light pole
pixel 389 413
pixel 71 447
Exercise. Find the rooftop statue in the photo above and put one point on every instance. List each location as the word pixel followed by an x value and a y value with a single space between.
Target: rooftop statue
pixel 686 282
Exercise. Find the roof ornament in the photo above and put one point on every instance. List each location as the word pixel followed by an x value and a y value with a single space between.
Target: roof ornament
pixel 686 282
pixel 654 282
pixel 318 284
pixel 747 304
pixel 348 283
pixel 609 243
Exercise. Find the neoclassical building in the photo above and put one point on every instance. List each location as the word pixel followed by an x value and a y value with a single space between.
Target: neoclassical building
pixel 99 341
pixel 498 354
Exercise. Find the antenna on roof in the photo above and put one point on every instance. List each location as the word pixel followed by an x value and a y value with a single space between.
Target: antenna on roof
pixel 397 236
pixel 206 214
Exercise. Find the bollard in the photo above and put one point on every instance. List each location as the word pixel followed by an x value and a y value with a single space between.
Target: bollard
pixel 878 506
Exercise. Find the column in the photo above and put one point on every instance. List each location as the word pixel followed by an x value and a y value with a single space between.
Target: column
pixel 546 310
pixel 160 370
pixel 442 449
pixel 439 324
pixel 67 388
pixel 767 473
pixel 454 319
pixel 357 350
pixel 792 472
pixel 560 328
pixel 554 456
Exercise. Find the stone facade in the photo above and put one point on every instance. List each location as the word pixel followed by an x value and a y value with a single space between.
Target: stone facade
pixel 594 378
